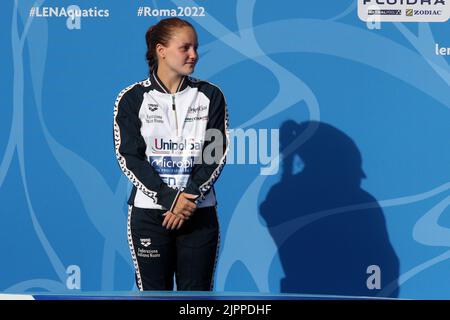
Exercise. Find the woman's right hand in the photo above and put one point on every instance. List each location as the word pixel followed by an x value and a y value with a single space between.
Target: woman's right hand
pixel 185 205
pixel 172 221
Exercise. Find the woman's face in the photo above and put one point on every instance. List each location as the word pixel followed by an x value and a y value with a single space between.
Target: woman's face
pixel 180 55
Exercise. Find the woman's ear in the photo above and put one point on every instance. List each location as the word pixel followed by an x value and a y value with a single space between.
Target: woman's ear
pixel 160 50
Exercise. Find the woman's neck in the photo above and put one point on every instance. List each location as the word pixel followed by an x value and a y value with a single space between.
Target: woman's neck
pixel 169 78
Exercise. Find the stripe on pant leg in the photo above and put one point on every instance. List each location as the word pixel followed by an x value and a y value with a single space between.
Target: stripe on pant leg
pixel 133 253
pixel 217 250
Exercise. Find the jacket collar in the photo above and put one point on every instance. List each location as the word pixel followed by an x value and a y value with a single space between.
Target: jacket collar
pixel 159 85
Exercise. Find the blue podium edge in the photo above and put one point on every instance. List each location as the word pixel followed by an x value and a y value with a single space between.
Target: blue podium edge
pixel 169 295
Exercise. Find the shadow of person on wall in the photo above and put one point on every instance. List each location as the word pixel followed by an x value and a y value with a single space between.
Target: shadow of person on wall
pixel 330 233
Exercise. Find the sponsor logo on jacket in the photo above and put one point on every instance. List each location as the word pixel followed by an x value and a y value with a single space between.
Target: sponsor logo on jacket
pixel 197 113
pixel 197 109
pixel 190 119
pixel 172 165
pixel 161 144
pixel 152 106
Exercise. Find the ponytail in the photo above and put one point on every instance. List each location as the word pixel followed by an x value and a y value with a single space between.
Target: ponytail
pixel 151 49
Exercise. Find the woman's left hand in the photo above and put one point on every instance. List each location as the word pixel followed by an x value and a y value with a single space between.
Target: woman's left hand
pixel 173 221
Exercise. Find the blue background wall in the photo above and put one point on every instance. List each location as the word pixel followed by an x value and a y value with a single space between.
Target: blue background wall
pixel 363 116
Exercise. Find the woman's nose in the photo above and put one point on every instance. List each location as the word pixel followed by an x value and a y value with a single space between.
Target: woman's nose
pixel 193 54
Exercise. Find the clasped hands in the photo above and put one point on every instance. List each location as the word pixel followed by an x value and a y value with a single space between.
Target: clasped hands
pixel 183 210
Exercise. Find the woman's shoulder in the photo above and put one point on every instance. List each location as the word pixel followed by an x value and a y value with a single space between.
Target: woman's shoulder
pixel 205 86
pixel 136 88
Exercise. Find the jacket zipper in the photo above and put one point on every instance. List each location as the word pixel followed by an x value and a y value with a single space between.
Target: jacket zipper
pixel 175 112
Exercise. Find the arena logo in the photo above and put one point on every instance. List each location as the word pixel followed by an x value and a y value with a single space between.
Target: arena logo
pixel 152 106
pixel 146 242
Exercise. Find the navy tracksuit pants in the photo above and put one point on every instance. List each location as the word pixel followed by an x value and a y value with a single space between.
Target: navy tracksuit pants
pixel 189 253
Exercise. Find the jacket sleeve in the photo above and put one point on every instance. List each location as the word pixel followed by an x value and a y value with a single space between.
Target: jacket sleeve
pixel 130 151
pixel 205 173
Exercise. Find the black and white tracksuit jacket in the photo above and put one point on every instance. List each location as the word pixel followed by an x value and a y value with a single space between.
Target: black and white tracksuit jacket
pixel 159 136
